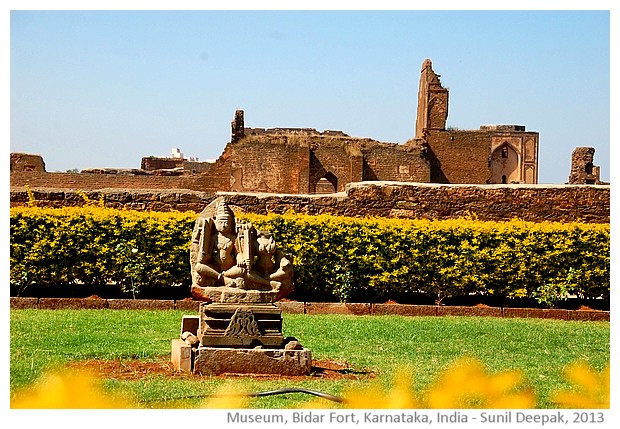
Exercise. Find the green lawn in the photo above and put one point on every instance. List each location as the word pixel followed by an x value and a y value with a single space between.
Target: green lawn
pixel 43 339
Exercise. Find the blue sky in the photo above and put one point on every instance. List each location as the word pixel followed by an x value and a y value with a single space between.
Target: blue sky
pixel 105 88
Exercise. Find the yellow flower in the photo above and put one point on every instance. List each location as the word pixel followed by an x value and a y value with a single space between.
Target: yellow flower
pixel 466 384
pixel 591 388
pixel 68 390
pixel 400 396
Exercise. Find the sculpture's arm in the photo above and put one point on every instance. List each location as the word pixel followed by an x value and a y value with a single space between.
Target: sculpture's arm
pixel 205 246
pixel 245 245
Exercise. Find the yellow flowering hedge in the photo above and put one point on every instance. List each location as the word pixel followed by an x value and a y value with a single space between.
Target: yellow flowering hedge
pixel 376 259
pixel 96 245
pixel 349 259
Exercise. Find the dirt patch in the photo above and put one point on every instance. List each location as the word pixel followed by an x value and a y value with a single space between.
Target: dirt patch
pixel 135 369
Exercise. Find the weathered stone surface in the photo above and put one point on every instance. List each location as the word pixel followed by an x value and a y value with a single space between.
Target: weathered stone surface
pixel 600 316
pixel 404 310
pixel 20 303
pixel 293 345
pixel 546 313
pixel 231 295
pixel 558 203
pixel 187 304
pixel 239 325
pixel 190 324
pixel 468 311
pixel 141 304
pixel 582 170
pixel 182 356
pixel 515 312
pixel 337 308
pixel 291 307
pixel 54 303
pixel 231 261
pixel 213 361
pixel 27 162
pixel 189 338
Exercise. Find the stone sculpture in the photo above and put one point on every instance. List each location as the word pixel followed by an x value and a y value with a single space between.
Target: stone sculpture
pixel 234 262
pixel 238 273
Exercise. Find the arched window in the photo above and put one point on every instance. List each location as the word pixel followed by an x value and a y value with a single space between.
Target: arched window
pixel 504 165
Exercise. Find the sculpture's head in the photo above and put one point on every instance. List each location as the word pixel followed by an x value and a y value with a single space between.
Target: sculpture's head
pixel 224 218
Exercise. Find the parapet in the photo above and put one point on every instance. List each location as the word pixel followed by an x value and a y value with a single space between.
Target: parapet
pixel 502 127
pixel 299 131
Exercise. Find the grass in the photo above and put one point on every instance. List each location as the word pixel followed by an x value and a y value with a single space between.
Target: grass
pixel 44 339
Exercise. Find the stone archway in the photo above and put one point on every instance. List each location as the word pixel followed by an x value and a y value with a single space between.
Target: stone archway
pixel 327 184
pixel 505 165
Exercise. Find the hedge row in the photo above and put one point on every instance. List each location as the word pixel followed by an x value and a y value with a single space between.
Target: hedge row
pixel 347 259
pixel 95 246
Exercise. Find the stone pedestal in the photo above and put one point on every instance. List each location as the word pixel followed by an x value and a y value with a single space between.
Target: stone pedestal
pixel 249 325
pixel 241 339
pixel 218 360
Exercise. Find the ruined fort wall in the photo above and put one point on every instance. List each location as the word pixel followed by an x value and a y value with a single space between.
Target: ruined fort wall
pixel 216 178
pixel 340 157
pixel 85 181
pixel 459 156
pixel 26 162
pixel 264 166
pixel 396 163
pixel 562 203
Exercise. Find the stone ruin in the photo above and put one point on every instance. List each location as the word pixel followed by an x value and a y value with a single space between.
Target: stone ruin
pixel 582 169
pixel 238 273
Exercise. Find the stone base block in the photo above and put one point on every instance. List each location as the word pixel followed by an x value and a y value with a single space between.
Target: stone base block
pixel 181 356
pixel 213 361
pixel 233 295
pixel 240 325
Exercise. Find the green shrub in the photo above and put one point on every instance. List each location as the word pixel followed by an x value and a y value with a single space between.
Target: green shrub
pixel 95 246
pixel 336 258
pixel 355 259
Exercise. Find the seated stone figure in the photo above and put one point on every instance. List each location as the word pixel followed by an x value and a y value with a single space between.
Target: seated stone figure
pixel 234 262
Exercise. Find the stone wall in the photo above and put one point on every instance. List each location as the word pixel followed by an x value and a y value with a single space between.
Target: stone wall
pixel 396 163
pixel 459 156
pixel 150 163
pixel 26 162
pixel 582 170
pixel 265 166
pixel 561 203
pixel 87 181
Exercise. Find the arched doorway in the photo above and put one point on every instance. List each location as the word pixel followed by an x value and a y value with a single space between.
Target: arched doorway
pixel 327 184
pixel 505 165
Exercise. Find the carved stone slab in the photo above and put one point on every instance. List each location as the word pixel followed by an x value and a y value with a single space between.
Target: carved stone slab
pixel 248 326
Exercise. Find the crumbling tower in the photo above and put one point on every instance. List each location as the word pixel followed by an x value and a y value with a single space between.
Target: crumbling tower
pixel 582 170
pixel 238 127
pixel 432 102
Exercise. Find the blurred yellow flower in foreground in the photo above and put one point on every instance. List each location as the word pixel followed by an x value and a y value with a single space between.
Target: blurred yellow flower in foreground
pixel 592 388
pixel 466 384
pixel 68 390
pixel 401 395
